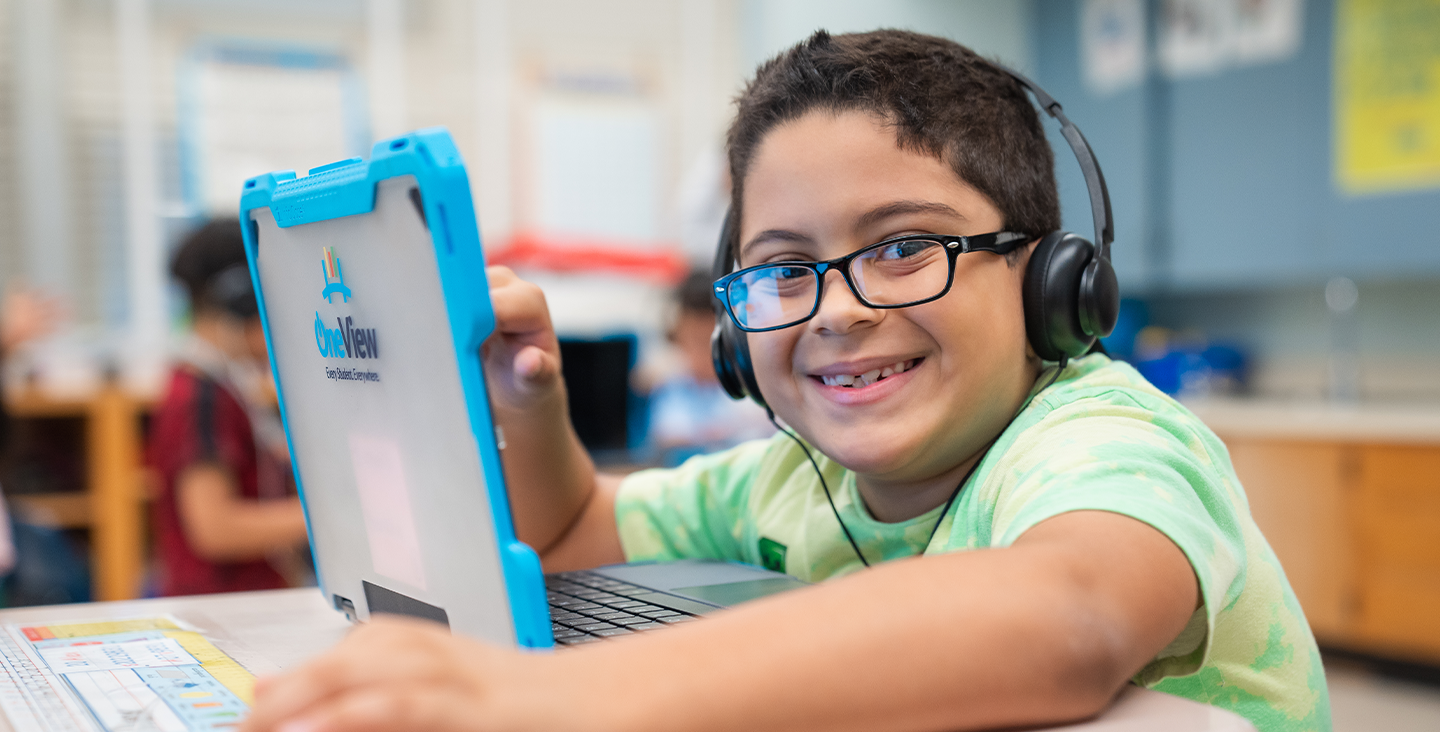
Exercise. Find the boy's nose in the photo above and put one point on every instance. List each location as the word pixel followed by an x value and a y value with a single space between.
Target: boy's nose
pixel 840 310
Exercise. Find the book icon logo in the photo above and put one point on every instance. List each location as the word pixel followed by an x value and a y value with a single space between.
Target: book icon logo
pixel 334 277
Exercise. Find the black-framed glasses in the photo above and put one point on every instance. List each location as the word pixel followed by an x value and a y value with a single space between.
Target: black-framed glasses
pixel 894 273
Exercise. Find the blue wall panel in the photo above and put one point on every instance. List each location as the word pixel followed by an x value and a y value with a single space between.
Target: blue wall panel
pixel 1115 127
pixel 1251 190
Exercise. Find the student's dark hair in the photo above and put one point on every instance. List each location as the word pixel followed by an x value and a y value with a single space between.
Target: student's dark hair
pixel 210 263
pixel 941 98
pixel 695 293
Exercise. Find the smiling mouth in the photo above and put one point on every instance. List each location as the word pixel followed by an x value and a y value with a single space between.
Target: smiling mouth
pixel 857 381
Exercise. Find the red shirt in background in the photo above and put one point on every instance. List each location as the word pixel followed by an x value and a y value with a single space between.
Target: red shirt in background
pixel 201 421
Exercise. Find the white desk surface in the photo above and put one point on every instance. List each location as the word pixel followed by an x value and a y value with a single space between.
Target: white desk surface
pixel 270 631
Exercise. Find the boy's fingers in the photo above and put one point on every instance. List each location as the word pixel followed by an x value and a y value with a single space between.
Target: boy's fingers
pixel 409 649
pixel 520 307
pixel 388 709
pixel 536 368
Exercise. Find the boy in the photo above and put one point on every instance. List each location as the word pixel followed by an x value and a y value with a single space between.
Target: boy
pixel 226 518
pixel 1098 534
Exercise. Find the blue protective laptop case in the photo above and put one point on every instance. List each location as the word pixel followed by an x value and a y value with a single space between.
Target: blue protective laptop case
pixel 348 188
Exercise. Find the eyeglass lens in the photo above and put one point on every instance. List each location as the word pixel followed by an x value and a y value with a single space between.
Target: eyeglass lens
pixel 896 273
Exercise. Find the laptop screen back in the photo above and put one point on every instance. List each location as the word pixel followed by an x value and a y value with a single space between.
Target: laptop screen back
pixel 395 495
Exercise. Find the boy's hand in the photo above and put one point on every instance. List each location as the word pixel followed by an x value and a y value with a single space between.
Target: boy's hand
pixel 401 674
pixel 549 475
pixel 522 357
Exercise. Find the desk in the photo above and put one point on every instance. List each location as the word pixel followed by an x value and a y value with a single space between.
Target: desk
pixel 278 629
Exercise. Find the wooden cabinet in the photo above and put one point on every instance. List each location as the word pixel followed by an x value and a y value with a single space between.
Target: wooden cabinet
pixel 1356 525
pixel 1396 523
pixel 113 503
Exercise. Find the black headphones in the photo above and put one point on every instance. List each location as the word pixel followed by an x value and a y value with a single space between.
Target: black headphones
pixel 1070 293
pixel 230 290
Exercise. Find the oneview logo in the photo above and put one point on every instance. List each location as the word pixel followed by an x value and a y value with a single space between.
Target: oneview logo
pixel 345 341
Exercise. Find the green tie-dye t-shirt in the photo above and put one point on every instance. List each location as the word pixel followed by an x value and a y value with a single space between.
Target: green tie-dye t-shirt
pixel 1100 438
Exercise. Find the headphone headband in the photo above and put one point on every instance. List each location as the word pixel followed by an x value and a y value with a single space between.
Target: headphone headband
pixel 1094 179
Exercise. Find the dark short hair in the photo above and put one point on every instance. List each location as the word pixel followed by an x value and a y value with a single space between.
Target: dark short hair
pixel 941 98
pixel 695 293
pixel 211 264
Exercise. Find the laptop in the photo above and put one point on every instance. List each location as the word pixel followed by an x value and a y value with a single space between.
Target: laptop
pixel 372 288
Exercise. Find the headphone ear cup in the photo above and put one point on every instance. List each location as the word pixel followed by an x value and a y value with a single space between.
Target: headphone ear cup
pixel 1052 295
pixel 1099 298
pixel 724 365
pixel 730 353
pixel 729 349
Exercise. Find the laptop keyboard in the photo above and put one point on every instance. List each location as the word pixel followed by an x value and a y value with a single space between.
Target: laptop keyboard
pixel 586 607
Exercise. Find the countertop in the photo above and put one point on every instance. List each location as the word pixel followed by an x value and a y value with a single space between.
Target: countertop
pixel 1318 420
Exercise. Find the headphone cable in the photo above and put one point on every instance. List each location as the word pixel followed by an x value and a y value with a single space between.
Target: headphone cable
pixel 771 414
pixel 831 500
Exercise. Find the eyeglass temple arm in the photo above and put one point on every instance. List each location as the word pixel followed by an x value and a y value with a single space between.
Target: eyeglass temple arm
pixel 1002 242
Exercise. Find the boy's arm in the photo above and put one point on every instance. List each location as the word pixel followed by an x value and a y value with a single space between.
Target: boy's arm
pixel 1044 631
pixel 221 526
pixel 559 502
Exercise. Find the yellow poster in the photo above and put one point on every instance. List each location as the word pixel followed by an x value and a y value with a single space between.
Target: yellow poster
pixel 1387 95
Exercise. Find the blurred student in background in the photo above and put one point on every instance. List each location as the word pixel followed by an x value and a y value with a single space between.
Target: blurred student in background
pixel 226 518
pixel 690 414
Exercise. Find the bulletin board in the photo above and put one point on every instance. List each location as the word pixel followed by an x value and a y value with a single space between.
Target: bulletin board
pixel 250 107
pixel 1387 95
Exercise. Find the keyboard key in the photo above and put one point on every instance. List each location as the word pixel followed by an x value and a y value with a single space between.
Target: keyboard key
pixel 656 613
pixel 646 626
pixel 579 640
pixel 628 605
pixel 632 620
pixel 592 627
pixel 563 616
pixel 613 616
pixel 613 632
pixel 597 610
pixel 568 633
pixel 598 596
pixel 676 619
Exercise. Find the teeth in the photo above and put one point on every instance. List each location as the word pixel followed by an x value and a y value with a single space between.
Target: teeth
pixel 869 377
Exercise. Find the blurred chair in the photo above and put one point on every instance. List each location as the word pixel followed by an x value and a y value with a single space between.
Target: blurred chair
pixel 609 416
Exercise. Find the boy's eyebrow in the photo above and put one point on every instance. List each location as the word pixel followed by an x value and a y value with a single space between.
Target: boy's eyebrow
pixel 899 208
pixel 776 235
pixel 869 218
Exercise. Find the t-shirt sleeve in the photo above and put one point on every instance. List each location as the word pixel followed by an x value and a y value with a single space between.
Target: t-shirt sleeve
pixel 1146 461
pixel 695 511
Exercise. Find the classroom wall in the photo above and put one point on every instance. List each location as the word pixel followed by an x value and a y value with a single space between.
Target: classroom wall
pixel 1229 220
pixel 475 66
pixel 1227 179
pixel 998 29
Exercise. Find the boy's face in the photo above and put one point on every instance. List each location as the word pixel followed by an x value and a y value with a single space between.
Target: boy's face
pixel 826 185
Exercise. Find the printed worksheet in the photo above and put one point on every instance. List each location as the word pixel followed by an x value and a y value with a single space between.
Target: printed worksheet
pixel 139 675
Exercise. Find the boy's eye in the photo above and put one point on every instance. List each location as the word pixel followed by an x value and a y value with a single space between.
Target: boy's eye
pixel 790 273
pixel 904 249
